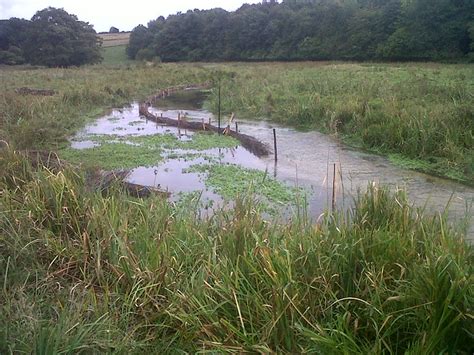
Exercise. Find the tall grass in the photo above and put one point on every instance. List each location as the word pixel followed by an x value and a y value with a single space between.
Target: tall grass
pixel 420 113
pixel 82 93
pixel 85 272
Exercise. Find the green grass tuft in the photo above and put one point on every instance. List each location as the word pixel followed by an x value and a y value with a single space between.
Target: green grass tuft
pixel 81 271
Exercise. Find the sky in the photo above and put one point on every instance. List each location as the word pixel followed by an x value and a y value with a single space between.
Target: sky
pixel 124 15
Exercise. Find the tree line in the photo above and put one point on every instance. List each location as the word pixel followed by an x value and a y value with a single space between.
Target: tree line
pixel 313 30
pixel 52 38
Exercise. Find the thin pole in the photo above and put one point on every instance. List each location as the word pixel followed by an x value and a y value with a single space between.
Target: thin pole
pixel 334 189
pixel 219 110
pixel 236 127
pixel 275 144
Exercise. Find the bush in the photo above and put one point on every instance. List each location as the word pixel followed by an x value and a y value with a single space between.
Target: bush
pixel 145 54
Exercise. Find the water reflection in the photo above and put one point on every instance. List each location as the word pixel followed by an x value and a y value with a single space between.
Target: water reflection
pixel 306 159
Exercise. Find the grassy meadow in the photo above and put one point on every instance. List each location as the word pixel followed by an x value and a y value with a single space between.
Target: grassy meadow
pixel 115 55
pixel 88 271
pixel 420 115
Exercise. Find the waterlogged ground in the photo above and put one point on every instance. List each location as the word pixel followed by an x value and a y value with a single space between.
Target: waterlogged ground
pixel 211 171
pixel 199 168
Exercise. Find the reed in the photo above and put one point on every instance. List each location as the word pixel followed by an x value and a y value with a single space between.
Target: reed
pixel 86 272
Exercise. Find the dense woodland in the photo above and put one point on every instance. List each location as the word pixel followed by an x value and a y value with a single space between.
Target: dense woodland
pixel 313 30
pixel 51 38
pixel 292 30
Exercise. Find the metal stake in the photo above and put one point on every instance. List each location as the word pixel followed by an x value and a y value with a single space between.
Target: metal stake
pixel 275 144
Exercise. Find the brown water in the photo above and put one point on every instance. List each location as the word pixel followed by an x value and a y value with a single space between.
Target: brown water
pixel 306 159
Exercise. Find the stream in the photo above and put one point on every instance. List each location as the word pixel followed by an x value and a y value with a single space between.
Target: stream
pixel 305 159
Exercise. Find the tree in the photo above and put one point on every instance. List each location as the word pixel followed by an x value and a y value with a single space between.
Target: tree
pixel 13 34
pixel 431 29
pixel 114 30
pixel 314 30
pixel 57 38
pixel 140 38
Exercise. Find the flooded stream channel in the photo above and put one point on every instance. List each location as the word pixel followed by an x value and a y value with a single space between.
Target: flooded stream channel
pixel 305 160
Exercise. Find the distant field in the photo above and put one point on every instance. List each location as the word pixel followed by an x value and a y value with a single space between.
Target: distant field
pixel 115 55
pixel 115 39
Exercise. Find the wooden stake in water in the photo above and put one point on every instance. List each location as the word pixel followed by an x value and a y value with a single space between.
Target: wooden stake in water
pixel 219 110
pixel 334 189
pixel 154 181
pixel 275 144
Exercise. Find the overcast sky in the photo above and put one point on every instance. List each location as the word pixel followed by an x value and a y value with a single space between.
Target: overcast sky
pixel 124 15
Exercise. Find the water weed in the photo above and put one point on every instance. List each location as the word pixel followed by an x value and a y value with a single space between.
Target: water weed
pixel 197 141
pixel 111 156
pixel 128 152
pixel 232 181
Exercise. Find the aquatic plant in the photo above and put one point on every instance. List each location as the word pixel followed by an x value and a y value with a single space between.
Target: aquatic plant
pixel 197 141
pixel 232 181
pixel 127 152
pixel 110 156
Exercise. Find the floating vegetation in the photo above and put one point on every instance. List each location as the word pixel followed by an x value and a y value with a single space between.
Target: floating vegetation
pixel 198 141
pixel 232 181
pixel 433 166
pixel 189 156
pixel 111 156
pixel 128 152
